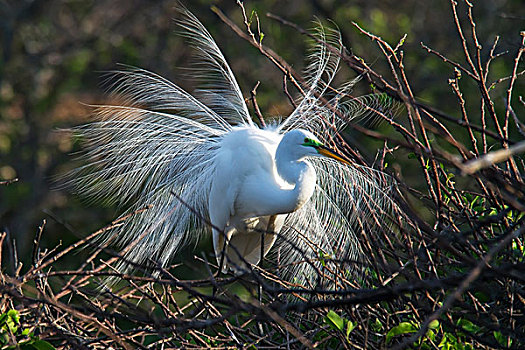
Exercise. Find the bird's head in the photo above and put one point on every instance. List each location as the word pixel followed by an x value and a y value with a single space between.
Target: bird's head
pixel 301 143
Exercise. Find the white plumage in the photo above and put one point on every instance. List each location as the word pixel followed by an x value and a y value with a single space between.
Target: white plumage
pixel 165 146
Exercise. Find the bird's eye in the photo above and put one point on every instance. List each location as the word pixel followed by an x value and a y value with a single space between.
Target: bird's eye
pixel 311 143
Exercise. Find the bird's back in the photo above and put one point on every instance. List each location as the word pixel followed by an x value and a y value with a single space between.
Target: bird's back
pixel 245 174
pixel 252 147
pixel 244 162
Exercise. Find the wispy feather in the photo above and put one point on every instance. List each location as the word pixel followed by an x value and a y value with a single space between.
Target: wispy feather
pixel 162 144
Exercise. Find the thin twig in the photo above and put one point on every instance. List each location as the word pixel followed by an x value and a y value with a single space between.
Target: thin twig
pixel 465 284
pixel 258 114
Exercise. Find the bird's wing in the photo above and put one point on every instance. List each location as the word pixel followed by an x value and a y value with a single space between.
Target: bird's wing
pixel 145 90
pixel 327 108
pixel 324 234
pixel 218 87
pixel 159 151
pixel 319 73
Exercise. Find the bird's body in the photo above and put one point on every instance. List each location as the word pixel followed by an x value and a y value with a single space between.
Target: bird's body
pixel 199 161
pixel 247 156
pixel 263 176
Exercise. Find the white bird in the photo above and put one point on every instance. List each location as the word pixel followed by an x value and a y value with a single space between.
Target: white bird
pixel 200 161
pixel 264 176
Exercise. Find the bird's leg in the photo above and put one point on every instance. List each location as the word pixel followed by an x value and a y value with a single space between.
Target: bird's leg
pixel 221 239
pixel 269 230
pixel 221 263
pixel 259 290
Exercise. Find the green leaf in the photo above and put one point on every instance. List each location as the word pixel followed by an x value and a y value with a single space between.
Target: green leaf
pixel 349 328
pixel 3 319
pixel 474 201
pixel 321 258
pixel 478 208
pixel 402 328
pixel 518 248
pixel 449 181
pixel 447 342
pixel 250 20
pixel 468 326
pixel 334 320
pixel 37 345
pixel 14 315
pixel 12 321
pixel 377 325
pixel 482 297
pixel 434 324
pixel 502 340
pixel 4 339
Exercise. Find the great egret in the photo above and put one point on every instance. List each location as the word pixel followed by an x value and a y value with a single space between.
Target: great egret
pixel 199 158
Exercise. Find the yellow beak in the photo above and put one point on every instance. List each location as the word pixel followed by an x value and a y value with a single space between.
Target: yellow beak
pixel 327 152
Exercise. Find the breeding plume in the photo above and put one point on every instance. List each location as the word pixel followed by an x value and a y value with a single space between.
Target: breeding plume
pixel 200 164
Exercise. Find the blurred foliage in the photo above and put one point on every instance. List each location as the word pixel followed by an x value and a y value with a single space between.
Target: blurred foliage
pixel 13 336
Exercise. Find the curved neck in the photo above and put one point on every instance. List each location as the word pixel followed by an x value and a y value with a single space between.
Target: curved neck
pixel 296 172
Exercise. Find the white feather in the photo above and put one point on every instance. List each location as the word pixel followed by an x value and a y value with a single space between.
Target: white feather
pixel 164 144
